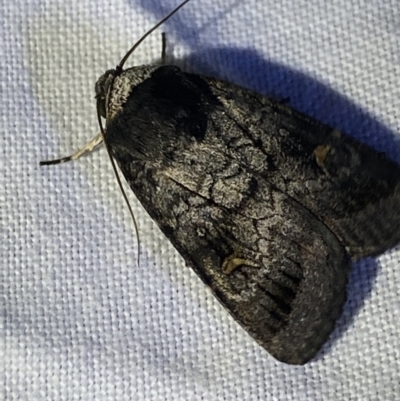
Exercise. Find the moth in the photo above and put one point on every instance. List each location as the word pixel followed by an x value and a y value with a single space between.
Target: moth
pixel 268 206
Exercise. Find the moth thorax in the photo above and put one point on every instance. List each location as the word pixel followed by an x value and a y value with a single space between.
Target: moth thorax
pixel 115 87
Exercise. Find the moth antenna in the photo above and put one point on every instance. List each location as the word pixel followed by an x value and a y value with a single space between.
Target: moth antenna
pixel 102 133
pixel 163 48
pixel 93 143
pixel 133 48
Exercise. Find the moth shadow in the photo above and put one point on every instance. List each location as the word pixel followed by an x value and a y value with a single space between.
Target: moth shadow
pixel 246 68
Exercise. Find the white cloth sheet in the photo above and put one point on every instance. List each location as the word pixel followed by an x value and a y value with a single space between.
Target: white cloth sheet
pixel 80 320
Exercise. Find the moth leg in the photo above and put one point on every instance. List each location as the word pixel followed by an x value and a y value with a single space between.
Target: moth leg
pixel 232 262
pixel 97 140
pixel 163 48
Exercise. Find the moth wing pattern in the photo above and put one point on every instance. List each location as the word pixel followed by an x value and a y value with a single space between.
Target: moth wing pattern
pixel 265 204
pixel 281 273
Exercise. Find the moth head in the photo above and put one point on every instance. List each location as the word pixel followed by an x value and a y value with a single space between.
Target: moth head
pixel 102 89
pixel 104 83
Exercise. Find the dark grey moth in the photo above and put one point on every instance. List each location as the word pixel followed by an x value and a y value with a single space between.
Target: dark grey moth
pixel 267 205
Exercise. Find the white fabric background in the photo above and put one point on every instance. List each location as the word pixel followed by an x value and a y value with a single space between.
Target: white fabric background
pixel 80 321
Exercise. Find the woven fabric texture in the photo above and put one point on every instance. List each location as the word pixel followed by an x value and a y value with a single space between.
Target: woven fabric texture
pixel 80 320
